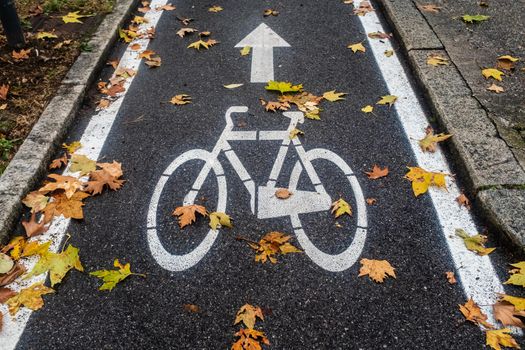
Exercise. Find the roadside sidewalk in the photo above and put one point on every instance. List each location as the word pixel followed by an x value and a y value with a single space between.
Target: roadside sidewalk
pixel 488 126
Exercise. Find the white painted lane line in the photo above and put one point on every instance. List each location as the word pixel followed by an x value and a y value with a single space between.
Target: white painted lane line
pixel 92 141
pixel 262 40
pixel 477 275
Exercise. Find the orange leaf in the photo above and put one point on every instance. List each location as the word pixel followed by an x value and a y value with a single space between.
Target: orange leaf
pixel 473 313
pixel 248 314
pixel 377 172
pixel 34 228
pixel 69 207
pixel 186 213
pixel 59 162
pixel 283 193
pixel 450 277
pixel 506 313
pixel 377 270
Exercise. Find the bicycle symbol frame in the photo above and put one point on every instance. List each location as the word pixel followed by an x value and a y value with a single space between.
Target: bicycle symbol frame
pixel 263 202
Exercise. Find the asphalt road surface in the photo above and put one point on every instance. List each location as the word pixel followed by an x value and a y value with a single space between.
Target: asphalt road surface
pixel 311 300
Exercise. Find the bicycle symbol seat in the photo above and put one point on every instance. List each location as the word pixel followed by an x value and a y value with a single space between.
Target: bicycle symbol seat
pixel 263 201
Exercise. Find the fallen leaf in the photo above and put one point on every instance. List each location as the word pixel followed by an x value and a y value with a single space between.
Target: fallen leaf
pixel 437 60
pixel 517 277
pixel 357 47
pixel 474 18
pixel 109 175
pixel 389 53
pixel 379 35
pixel 333 96
pixel 245 51
pixel 492 73
pixel 192 308
pixel 249 339
pixel 69 184
pixel 371 201
pixel 272 244
pixel 473 313
pixel 506 62
pixel 295 132
pixel 46 35
pixel 58 264
pixel 181 99
pixel 519 303
pixel 501 337
pixel 429 142
pixel 139 20
pixel 30 297
pixel 377 270
pixel 183 31
pixel 218 219
pixel 273 106
pixel 33 227
pixel 450 277
pixel 270 12
pixel 422 180
pixel 387 100
pixel 341 207
pixel 14 247
pixel 283 193
pixel 6 263
pixel 201 43
pixel 205 33
pixel 72 147
pixel 186 214
pixel 59 162
pixel 3 91
pixel 36 201
pixel 73 17
pixel 135 47
pixel 367 109
pixel 495 88
pixel 13 274
pixel 283 86
pixel 153 62
pixel 21 55
pixel 185 20
pixel 35 248
pixel 363 9
pixel 463 201
pixel 506 313
pixel 232 86
pixel 167 7
pixel 215 9
pixel 147 54
pixel 68 207
pixel 377 172
pixel 248 315
pixel 474 243
pixel 112 277
pixel 430 8
pixel 6 294
pixel 82 164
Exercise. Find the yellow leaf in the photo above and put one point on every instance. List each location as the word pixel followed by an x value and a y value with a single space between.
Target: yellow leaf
pixel 112 277
pixel 429 142
pixel 272 244
pixel 367 109
pixel 248 314
pixel 341 207
pixel 124 35
pixel 215 9
pixel 473 313
pixel 357 47
pixel 377 270
pixel 218 219
pixel 387 100
pixel 295 132
pixel 57 264
pixel 82 164
pixel 180 99
pixel 232 86
pixel 36 201
pixel 389 53
pixel 437 60
pixel 245 51
pixel 35 248
pixel 519 303
pixel 186 214
pixel 492 73
pixel 6 263
pixel 507 62
pixel 15 247
pixel 333 96
pixel 73 17
pixel 501 337
pixel 283 86
pixel 72 147
pixel 201 43
pixel 422 180
pixel 30 297
pixel 474 243
pixel 517 275
pixel 46 35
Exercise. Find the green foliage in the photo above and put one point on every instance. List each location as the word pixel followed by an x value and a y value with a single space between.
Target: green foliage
pixel 5 148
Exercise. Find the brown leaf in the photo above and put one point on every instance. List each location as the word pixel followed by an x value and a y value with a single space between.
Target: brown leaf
pixel 495 88
pixel 377 172
pixel 147 54
pixel 7 278
pixel 248 314
pixel 430 8
pixel 192 308
pixel 377 270
pixel 108 176
pixel 283 193
pixel 183 31
pixel 6 294
pixel 34 228
pixel 69 184
pixel 69 207
pixel 371 201
pixel 379 35
pixel 506 313
pixel 167 7
pixel 463 201
pixel 21 55
pixel 3 92
pixel 450 277
pixel 59 162
pixel 36 201
pixel 186 213
pixel 154 62
pixel 473 313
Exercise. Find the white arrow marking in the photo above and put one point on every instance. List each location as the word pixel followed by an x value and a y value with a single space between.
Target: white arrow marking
pixel 262 40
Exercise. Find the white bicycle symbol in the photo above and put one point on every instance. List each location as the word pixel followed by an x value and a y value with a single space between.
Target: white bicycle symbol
pixel 268 206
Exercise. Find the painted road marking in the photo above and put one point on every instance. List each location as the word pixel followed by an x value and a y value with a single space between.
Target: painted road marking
pixel 262 40
pixel 477 275
pixel 92 140
pixel 268 205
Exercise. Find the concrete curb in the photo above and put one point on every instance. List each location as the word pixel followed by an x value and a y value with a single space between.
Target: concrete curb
pixel 30 162
pixel 488 165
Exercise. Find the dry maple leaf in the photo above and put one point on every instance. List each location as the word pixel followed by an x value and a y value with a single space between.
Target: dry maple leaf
pixel 3 91
pixel 17 271
pixel 506 313
pixel 59 162
pixel 422 180
pixel 248 315
pixel 15 247
pixel 518 302
pixel 69 184
pixel 429 142
pixel 501 337
pixel 215 8
pixel 437 60
pixel 183 31
pixel 147 54
pixel 430 8
pixel 57 264
pixel 34 228
pixel 21 55
pixel 295 132
pixel 270 245
pixel 167 7
pixel 341 207
pixel 181 99
pixel 517 275
pixel 82 164
pixel 357 47
pixel 507 62
pixel 186 213
pixel 387 100
pixel 377 172
pixel 218 219
pixel 371 201
pixel 463 201
pixel 473 313
pixel 474 243
pixel 68 207
pixel 30 297
pixel 185 20
pixel 451 278
pixel 379 35
pixel 36 201
pixel 377 270
pixel 492 73
pixel 495 88
pixel 107 176
pixel 283 193
pixel 249 339
pixel 333 96
pixel 273 106
pixel 153 62
pixel 367 109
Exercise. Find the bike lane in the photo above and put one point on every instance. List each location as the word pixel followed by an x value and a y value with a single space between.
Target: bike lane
pixel 306 306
